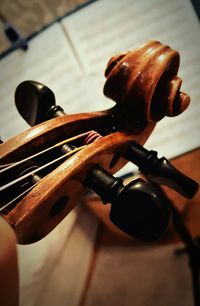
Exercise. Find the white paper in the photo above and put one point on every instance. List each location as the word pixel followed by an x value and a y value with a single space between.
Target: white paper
pixel 49 60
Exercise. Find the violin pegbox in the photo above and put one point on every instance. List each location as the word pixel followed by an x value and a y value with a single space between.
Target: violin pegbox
pixel 145 87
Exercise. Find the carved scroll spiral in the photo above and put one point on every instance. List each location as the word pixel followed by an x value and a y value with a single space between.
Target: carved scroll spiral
pixel 145 82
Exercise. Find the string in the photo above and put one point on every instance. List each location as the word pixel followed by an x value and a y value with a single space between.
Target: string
pixel 18 197
pixel 8 166
pixel 40 168
pixel 5 165
pixel 12 165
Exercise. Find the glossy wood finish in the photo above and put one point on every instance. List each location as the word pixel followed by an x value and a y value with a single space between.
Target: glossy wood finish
pixel 133 81
pixel 42 135
pixel 145 82
pixel 31 218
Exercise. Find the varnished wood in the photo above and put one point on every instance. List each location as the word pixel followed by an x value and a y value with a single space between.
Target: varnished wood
pixel 32 214
pixel 37 137
pixel 132 80
pixel 145 82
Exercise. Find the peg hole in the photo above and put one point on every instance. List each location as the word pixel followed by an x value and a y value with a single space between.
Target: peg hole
pixel 114 161
pixel 58 206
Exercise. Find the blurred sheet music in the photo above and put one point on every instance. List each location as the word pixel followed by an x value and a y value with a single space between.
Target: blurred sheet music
pixel 50 60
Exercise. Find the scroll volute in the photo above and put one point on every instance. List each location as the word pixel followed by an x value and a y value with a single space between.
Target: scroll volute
pixel 145 87
pixel 144 82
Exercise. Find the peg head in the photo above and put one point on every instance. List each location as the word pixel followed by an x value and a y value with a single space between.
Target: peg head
pixel 34 101
pixel 141 211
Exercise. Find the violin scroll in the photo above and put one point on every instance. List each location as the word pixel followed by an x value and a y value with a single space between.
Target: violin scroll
pixel 47 168
pixel 144 82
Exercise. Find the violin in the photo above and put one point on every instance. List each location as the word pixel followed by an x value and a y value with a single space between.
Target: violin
pixel 47 169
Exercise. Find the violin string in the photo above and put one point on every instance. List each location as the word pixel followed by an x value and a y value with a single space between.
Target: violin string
pixel 40 168
pixel 18 197
pixel 12 165
pixel 5 165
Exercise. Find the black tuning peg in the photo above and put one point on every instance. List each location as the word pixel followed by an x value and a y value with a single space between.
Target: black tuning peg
pixel 138 209
pixel 36 102
pixel 160 170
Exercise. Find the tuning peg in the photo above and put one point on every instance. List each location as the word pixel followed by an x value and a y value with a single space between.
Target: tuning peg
pixel 36 102
pixel 160 170
pixel 138 209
